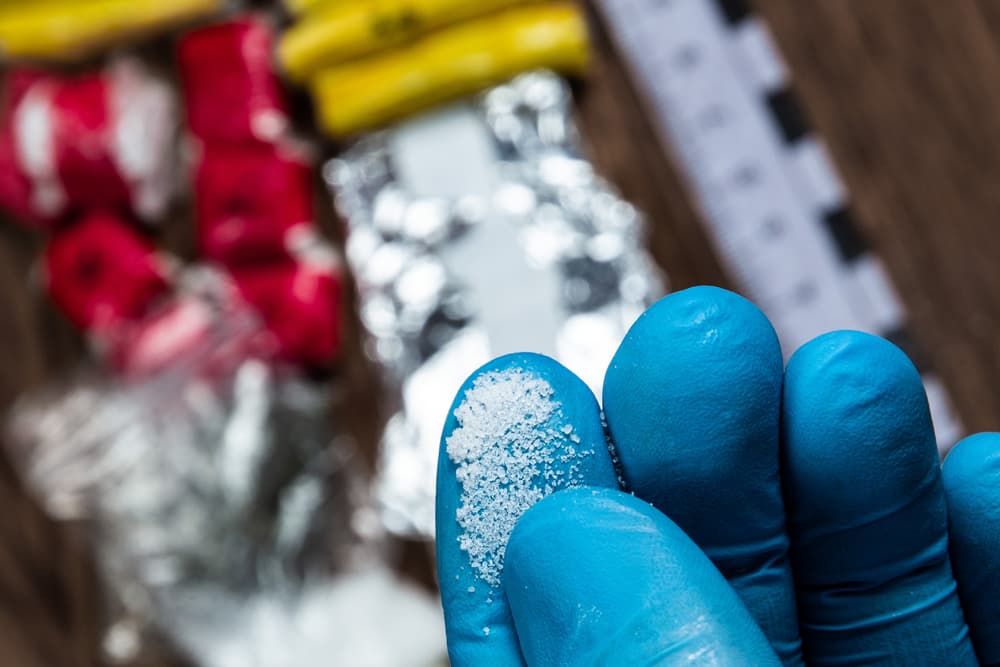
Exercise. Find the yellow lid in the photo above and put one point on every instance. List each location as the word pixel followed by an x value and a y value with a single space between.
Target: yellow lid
pixel 450 64
pixel 299 7
pixel 67 29
pixel 344 31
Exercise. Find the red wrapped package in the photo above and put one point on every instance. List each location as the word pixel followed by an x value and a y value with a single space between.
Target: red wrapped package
pixel 203 324
pixel 248 200
pixel 99 140
pixel 16 188
pixel 81 139
pixel 231 90
pixel 176 330
pixel 300 304
pixel 100 272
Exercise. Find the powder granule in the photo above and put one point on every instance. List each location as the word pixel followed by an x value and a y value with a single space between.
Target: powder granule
pixel 512 447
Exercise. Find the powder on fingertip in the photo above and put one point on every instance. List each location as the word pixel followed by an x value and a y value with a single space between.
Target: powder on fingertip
pixel 511 448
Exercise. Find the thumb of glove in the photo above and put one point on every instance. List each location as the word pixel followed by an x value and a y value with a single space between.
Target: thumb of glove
pixel 599 577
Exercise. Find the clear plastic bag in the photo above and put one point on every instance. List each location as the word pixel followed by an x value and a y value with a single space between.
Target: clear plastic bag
pixel 221 501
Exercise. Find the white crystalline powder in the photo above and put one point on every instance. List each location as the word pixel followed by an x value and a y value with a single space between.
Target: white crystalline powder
pixel 512 447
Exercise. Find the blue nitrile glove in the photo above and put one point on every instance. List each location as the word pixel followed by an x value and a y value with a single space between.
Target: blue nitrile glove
pixel 841 559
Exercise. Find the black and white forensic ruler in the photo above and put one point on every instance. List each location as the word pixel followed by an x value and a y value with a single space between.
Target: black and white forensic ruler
pixel 719 96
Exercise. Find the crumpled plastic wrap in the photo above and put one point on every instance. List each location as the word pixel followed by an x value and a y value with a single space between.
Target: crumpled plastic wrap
pixel 222 503
pixel 473 232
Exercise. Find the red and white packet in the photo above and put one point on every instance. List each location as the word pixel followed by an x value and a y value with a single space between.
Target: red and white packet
pixel 76 143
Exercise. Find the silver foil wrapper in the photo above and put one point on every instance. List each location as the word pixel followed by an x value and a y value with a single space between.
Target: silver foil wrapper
pixel 225 510
pixel 477 231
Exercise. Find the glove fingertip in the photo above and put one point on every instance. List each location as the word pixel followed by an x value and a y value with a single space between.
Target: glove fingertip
pixel 971 475
pixel 520 428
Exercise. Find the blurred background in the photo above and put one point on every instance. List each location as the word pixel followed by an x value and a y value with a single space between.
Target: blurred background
pixel 248 253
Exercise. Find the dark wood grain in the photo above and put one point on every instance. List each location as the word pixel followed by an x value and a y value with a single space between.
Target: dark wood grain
pixel 906 94
pixel 48 596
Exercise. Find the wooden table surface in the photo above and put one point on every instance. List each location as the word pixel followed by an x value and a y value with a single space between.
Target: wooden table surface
pixel 906 94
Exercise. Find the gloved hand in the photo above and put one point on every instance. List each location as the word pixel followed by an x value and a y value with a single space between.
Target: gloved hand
pixel 776 518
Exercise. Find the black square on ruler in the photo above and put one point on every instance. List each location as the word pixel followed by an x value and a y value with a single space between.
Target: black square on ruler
pixel 734 10
pixel 841 225
pixel 787 114
pixel 901 338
